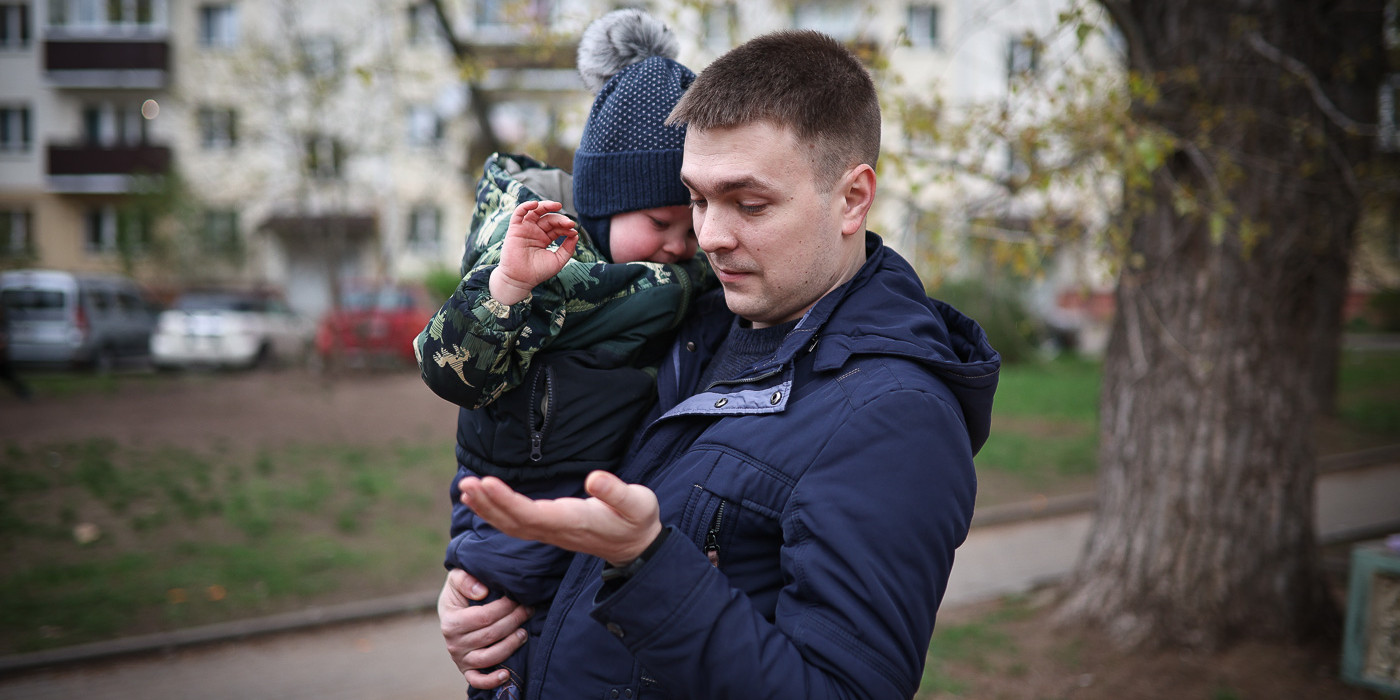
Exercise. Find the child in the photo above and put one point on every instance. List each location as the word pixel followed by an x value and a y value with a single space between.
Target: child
pixel 550 343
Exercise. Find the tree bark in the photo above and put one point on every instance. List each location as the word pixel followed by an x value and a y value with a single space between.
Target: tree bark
pixel 1204 531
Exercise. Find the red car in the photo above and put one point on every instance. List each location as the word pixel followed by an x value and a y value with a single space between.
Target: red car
pixel 375 325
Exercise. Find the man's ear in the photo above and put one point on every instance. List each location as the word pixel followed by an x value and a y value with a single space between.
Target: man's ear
pixel 857 188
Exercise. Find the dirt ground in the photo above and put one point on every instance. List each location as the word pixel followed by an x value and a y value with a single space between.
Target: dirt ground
pixel 240 409
pixel 254 409
pixel 1033 659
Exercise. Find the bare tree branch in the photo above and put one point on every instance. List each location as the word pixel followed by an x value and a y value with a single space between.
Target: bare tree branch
pixel 466 55
pixel 1296 67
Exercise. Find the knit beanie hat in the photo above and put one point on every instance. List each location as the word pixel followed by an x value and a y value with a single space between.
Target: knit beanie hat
pixel 628 159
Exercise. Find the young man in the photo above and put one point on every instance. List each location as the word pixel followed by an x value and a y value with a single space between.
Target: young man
pixel 784 525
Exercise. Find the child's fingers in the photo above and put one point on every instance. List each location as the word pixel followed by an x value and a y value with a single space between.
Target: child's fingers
pixel 557 224
pixel 523 211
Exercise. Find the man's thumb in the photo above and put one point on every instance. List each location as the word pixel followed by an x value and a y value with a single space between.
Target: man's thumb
pixel 606 487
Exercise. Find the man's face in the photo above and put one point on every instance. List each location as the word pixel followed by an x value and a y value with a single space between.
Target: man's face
pixel 774 237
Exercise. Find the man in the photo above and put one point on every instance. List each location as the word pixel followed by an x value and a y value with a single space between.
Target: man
pixel 785 523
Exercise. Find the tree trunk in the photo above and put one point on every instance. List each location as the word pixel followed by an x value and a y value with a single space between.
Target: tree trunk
pixel 1204 532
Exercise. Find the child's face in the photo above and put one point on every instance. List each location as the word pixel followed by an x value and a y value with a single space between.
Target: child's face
pixel 663 235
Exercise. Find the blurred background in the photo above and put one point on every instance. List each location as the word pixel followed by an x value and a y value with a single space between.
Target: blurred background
pixel 222 224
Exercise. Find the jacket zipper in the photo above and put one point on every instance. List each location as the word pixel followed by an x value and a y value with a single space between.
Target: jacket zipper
pixel 545 409
pixel 711 548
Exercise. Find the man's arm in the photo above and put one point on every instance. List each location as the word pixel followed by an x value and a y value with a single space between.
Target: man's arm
pixel 869 533
pixel 870 540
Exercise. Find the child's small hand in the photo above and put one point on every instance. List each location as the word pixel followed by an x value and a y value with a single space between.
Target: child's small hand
pixel 526 259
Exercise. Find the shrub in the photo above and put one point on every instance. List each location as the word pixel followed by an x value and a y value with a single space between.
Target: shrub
pixel 441 282
pixel 1002 313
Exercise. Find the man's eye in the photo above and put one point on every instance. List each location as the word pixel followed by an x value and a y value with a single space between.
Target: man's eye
pixel 752 208
pixel 697 204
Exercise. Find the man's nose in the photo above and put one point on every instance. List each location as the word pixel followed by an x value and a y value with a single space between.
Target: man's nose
pixel 714 232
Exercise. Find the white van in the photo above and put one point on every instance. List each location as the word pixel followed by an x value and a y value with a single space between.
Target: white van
pixel 75 319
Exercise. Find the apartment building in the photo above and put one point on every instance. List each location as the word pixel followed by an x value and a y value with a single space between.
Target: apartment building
pixel 305 145
pixel 78 101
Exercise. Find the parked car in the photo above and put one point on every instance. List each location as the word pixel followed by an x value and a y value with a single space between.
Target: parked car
pixel 230 328
pixel 375 324
pixel 71 319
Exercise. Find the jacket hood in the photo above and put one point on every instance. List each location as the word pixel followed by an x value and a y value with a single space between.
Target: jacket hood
pixel 884 310
pixel 508 179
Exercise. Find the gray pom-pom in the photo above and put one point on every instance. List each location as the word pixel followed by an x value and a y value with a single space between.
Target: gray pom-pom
pixel 619 39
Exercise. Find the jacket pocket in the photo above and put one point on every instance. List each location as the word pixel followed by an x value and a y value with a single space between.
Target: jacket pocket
pixel 734 518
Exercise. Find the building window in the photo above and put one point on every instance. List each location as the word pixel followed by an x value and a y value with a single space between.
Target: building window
pixel 218 26
pixel 424 232
pixel 137 12
pixel 513 14
pixel 720 22
pixel 923 26
pixel 836 19
pixel 110 230
pixel 220 232
pixel 1022 56
pixel 97 14
pixel 110 125
pixel 75 13
pixel 218 129
pixel 101 238
pixel 134 228
pixel 14 25
pixel 522 123
pixel 423 26
pixel 16 239
pixel 16 132
pixel 425 127
pixel 325 157
pixel 320 56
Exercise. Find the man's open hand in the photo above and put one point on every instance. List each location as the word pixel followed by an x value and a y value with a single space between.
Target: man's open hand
pixel 617 523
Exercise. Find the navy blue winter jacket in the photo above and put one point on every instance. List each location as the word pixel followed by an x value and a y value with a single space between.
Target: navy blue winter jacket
pixel 830 486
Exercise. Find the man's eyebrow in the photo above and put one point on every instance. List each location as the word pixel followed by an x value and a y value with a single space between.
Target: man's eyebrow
pixel 726 186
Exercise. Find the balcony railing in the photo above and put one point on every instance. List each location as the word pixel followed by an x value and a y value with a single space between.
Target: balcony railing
pixel 103 169
pixel 107 63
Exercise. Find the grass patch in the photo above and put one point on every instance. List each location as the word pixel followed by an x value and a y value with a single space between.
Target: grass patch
pixel 103 540
pixel 1368 393
pixel 1045 417
pixel 982 645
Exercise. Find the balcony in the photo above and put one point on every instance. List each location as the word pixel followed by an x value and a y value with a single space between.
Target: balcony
pixel 103 169
pixel 90 62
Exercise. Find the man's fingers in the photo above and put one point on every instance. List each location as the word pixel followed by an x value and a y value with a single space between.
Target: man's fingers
pixel 500 505
pixel 617 494
pixel 486 681
pixel 465 586
pixel 486 657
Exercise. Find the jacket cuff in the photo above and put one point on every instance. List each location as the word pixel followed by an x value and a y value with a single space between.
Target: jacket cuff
pixel 489 312
pixel 649 604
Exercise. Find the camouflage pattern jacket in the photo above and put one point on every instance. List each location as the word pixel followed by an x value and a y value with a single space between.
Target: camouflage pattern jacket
pixel 552 387
pixel 475 349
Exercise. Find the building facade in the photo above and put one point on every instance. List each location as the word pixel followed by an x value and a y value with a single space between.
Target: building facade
pixel 309 145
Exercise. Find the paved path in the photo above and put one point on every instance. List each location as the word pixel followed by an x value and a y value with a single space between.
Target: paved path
pixel 1010 549
pixel 398 658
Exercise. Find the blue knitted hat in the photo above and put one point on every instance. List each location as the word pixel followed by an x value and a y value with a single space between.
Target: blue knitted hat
pixel 628 159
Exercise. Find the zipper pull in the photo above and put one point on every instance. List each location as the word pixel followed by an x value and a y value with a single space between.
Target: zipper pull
pixel 536 437
pixel 711 548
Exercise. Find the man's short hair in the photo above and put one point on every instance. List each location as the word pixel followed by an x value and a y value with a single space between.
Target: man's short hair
pixel 802 80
